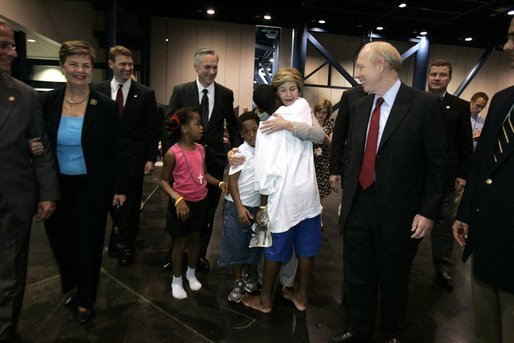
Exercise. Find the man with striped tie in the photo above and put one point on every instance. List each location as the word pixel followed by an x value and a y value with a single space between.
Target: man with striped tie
pixel 485 220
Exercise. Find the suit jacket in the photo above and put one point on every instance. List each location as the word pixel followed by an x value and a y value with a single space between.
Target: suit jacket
pixel 340 133
pixel 24 180
pixel 459 139
pixel 139 126
pixel 410 166
pixel 186 95
pixel 101 143
pixel 488 202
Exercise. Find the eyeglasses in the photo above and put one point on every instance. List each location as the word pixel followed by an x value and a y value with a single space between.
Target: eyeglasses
pixel 5 45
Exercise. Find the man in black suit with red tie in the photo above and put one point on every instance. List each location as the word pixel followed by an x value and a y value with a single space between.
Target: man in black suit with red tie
pixel 485 219
pixel 395 161
pixel 460 151
pixel 137 109
pixel 217 106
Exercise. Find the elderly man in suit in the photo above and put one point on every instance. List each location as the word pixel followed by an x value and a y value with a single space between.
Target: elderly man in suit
pixel 460 151
pixel 392 189
pixel 28 185
pixel 217 106
pixel 485 223
pixel 137 109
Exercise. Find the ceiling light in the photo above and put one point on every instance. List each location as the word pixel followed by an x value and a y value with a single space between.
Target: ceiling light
pixel 271 59
pixel 379 28
pixel 30 40
pixel 510 12
pixel 267 17
pixel 210 11
pixel 423 33
pixel 402 5
pixel 321 21
pixel 468 39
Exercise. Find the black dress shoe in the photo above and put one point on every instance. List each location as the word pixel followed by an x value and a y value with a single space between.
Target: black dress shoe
pixel 84 316
pixel 126 260
pixel 70 300
pixel 446 280
pixel 203 265
pixel 344 336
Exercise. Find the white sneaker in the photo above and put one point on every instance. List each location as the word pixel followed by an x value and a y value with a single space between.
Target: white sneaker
pixel 194 284
pixel 177 290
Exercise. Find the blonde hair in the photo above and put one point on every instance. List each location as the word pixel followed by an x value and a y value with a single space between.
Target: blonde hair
pixel 288 74
pixel 323 104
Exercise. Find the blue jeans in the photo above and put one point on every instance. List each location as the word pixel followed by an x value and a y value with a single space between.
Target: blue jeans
pixel 236 238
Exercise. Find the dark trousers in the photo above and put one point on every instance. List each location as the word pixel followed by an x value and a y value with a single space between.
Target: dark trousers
pixel 370 268
pixel 213 198
pixel 442 234
pixel 14 250
pixel 76 235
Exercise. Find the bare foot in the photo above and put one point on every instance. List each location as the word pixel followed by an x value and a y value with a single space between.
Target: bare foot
pixel 300 305
pixel 254 301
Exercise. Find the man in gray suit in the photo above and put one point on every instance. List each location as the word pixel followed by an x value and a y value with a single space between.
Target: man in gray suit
pixel 28 185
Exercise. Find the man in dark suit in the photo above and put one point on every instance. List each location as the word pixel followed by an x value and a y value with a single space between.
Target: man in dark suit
pixel 137 109
pixel 460 151
pixel 219 109
pixel 28 185
pixel 340 134
pixel 394 166
pixel 485 222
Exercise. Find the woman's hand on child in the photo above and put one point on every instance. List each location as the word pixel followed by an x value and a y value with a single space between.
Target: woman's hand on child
pixel 270 126
pixel 235 159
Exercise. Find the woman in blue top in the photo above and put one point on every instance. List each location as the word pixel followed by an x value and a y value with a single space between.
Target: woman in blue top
pixel 84 131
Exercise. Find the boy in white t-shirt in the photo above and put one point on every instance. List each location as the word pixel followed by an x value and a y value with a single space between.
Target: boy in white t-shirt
pixel 238 213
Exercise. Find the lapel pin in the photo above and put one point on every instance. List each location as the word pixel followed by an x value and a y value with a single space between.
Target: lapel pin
pixel 93 102
pixel 11 98
pixel 135 95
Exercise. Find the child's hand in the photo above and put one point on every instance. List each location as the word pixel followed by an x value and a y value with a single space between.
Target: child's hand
pixel 182 210
pixel 223 186
pixel 245 217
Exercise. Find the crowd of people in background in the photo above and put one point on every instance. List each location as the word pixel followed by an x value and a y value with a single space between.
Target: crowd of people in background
pixel 411 163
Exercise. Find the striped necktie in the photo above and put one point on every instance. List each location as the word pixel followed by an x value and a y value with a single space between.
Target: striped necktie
pixel 505 136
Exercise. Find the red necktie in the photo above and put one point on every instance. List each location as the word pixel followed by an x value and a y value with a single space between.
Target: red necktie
pixel 119 100
pixel 367 174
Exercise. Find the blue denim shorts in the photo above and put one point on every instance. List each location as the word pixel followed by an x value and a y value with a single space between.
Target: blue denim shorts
pixel 236 238
pixel 305 237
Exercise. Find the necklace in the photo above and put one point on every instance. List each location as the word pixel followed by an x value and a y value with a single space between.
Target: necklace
pixel 69 100
pixel 189 169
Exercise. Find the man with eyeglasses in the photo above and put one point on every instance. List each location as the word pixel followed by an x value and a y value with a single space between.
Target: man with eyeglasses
pixel 460 151
pixel 485 222
pixel 28 185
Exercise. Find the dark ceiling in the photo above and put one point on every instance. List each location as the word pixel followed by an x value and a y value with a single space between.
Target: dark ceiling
pixel 447 22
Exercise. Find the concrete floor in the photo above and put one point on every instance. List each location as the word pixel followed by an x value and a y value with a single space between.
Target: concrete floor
pixel 135 303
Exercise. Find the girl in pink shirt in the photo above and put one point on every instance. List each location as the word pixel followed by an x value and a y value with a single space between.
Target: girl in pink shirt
pixel 184 164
